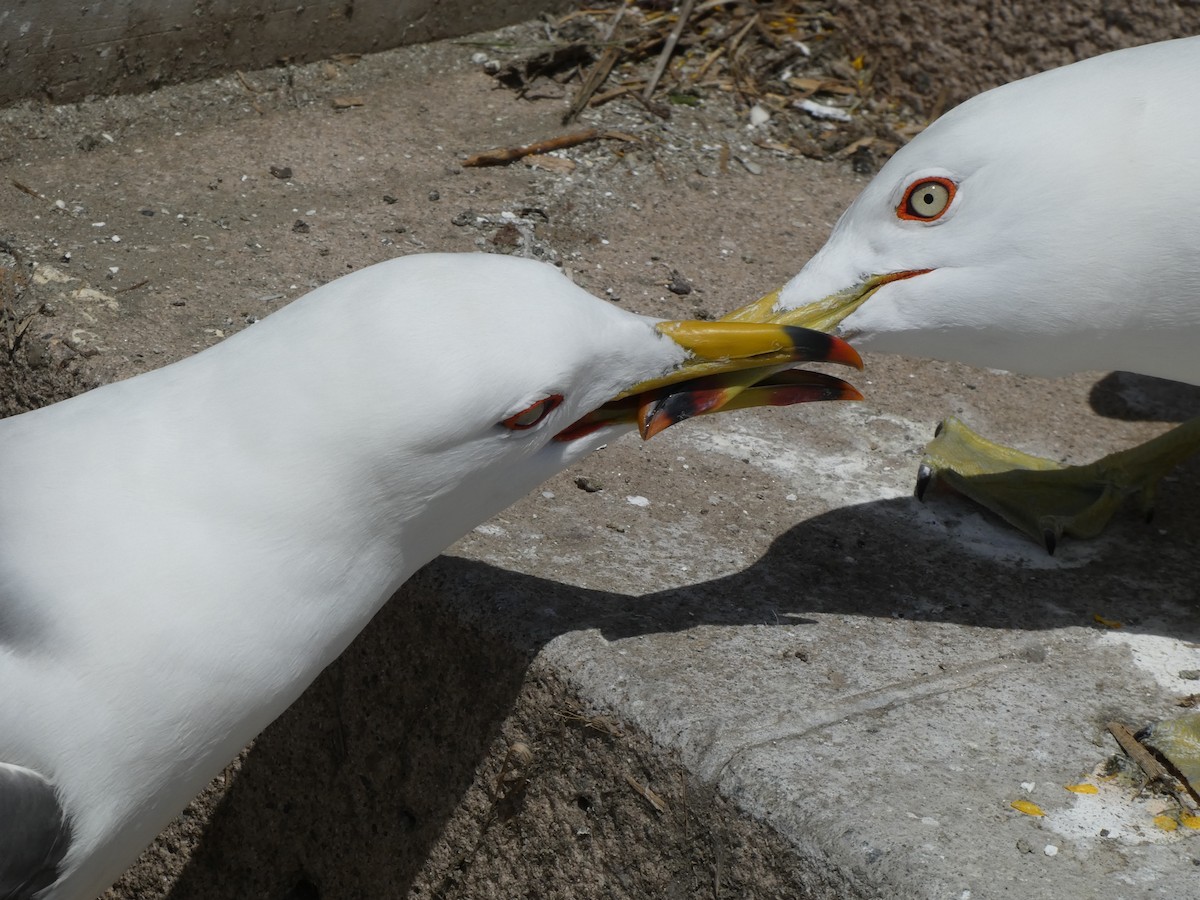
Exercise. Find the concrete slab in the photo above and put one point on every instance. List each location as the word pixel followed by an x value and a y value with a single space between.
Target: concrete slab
pixel 831 690
pixel 63 50
pixel 881 678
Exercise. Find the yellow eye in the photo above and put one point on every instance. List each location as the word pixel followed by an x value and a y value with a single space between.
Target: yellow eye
pixel 927 199
pixel 533 413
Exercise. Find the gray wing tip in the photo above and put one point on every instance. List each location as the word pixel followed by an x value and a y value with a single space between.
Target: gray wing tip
pixel 35 833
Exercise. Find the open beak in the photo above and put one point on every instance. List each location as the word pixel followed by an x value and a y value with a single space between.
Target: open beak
pixel 731 365
pixel 822 315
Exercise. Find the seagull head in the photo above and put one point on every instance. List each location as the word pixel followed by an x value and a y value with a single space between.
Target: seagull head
pixel 552 372
pixel 452 384
pixel 1046 226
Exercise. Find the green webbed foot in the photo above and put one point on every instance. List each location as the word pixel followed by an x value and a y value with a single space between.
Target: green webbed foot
pixel 1046 499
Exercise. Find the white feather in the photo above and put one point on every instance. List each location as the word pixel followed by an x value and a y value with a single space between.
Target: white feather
pixel 1073 242
pixel 183 552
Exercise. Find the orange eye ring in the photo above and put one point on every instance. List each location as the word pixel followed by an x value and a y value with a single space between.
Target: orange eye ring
pixel 532 414
pixel 927 199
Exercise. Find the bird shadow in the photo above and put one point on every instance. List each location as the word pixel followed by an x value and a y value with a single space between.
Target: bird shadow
pixel 347 793
pixel 1141 398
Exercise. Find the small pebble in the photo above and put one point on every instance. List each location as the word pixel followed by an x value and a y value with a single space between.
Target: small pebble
pixel 1050 850
pixel 863 162
pixel 750 166
pixel 281 172
pixel 434 195
pixel 588 484
pixel 677 284
pixel 637 500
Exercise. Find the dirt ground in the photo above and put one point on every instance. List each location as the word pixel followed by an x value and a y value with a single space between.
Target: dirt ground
pixel 137 230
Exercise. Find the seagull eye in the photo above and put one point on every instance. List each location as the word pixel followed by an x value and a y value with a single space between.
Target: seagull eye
pixel 926 200
pixel 532 414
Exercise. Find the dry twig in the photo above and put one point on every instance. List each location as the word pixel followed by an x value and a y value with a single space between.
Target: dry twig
pixel 659 804
pixel 685 13
pixel 1156 773
pixel 598 72
pixel 502 156
pixel 132 287
pixel 616 92
pixel 253 89
pixel 26 189
pixel 740 36
pixel 596 76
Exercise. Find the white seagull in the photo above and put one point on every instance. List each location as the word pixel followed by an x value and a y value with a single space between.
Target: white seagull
pixel 183 552
pixel 1048 226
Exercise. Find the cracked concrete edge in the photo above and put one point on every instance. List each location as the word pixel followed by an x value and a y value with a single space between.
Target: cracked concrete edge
pixel 63 51
pixel 737 853
pixel 702 833
pixel 336 800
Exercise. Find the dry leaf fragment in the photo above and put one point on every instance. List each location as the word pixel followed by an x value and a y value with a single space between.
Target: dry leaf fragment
pixel 1028 807
pixel 659 804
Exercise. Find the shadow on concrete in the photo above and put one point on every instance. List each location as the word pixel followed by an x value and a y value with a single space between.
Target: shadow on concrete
pixel 874 560
pixel 359 776
pixel 1141 398
pixel 362 774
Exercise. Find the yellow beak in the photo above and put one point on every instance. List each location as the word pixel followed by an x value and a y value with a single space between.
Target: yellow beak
pixel 824 314
pixel 723 356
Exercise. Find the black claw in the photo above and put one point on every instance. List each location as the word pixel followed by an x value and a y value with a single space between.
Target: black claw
pixel 924 478
pixel 937 432
pixel 1051 540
